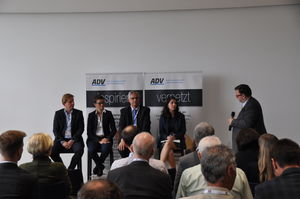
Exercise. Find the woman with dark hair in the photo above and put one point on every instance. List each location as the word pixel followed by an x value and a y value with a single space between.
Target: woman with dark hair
pixel 171 129
pixel 247 155
pixel 266 142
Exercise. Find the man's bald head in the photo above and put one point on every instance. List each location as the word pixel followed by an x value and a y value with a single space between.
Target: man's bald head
pixel 143 145
pixel 208 141
pixel 99 189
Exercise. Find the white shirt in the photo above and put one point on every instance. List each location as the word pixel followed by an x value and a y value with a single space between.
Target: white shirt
pixel 99 130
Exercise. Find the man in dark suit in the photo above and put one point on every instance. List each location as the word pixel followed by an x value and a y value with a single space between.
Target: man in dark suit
pixel 201 130
pixel 68 127
pixel 285 156
pixel 101 130
pixel 14 182
pixel 138 179
pixel 251 115
pixel 135 115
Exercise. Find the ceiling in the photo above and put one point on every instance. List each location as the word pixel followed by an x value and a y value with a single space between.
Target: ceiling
pixel 75 6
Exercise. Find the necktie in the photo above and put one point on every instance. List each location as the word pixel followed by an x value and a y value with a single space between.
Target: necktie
pixel 134 117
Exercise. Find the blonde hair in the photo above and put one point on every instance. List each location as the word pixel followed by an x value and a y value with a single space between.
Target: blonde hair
pixel 40 144
pixel 265 141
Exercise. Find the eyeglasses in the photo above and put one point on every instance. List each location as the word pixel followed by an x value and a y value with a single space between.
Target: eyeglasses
pixel 133 98
pixel 99 103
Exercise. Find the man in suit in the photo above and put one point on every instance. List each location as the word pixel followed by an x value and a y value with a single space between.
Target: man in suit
pixel 14 182
pixel 128 135
pixel 138 179
pixel 99 189
pixel 285 156
pixel 101 130
pixel 218 169
pixel 68 127
pixel 251 115
pixel 201 130
pixel 135 115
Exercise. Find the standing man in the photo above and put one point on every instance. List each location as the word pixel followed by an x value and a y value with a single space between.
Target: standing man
pixel 68 127
pixel 135 115
pixel 14 181
pixel 101 130
pixel 250 116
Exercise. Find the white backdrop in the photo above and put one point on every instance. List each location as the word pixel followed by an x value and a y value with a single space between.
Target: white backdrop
pixel 42 56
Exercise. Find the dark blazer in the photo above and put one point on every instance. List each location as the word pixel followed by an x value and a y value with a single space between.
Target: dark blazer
pixel 77 125
pixel 179 128
pixel 139 180
pixel 286 186
pixel 251 116
pixel 48 172
pixel 185 162
pixel 108 124
pixel 16 183
pixel 143 119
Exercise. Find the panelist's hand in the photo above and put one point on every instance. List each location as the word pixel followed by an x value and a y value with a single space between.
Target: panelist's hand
pixel 66 145
pixel 70 143
pixel 230 121
pixel 104 141
pixel 122 145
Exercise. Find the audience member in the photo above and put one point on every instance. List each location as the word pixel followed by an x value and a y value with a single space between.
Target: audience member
pixel 266 142
pixel 99 189
pixel 138 179
pixel 136 115
pixel 128 135
pixel 218 169
pixel 192 181
pixel 285 156
pixel 47 172
pixel 101 130
pixel 247 155
pixel 171 127
pixel 68 127
pixel 201 130
pixel 14 182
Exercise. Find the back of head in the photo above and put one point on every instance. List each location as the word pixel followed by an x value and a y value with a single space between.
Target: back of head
pixel 244 89
pixel 215 161
pixel 208 141
pixel 40 144
pixel 286 153
pixel 99 189
pixel 247 138
pixel 202 130
pixel 128 134
pixel 143 145
pixel 10 142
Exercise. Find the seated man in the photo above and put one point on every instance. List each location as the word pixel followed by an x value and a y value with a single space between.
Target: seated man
pixel 14 182
pixel 285 156
pixel 68 127
pixel 201 130
pixel 138 179
pixel 192 181
pixel 218 168
pixel 99 189
pixel 128 135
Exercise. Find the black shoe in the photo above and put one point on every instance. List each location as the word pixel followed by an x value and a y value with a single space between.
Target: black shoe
pixel 100 172
pixel 96 170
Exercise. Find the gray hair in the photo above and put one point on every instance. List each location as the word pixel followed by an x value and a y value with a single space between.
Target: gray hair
pixel 132 92
pixel 143 144
pixel 208 141
pixel 202 130
pixel 215 161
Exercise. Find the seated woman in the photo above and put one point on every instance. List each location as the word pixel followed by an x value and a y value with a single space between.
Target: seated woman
pixel 47 172
pixel 266 142
pixel 171 127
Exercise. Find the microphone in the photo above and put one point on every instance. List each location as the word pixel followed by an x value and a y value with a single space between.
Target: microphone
pixel 232 116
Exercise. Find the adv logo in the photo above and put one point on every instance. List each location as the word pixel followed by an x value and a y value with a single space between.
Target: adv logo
pixel 157 81
pixel 98 82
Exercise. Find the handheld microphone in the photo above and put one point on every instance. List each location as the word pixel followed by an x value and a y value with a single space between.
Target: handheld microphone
pixel 232 116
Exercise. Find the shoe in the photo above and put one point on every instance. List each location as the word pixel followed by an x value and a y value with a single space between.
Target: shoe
pixel 96 170
pixel 100 172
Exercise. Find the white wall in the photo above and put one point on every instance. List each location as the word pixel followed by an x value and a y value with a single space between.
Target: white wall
pixel 42 56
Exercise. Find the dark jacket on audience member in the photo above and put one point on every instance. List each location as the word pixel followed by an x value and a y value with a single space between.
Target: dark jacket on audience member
pixel 139 180
pixel 286 186
pixel 16 183
pixel 48 172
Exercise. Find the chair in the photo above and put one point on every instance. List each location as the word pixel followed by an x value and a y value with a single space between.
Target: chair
pixel 79 164
pixel 89 162
pixel 57 190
